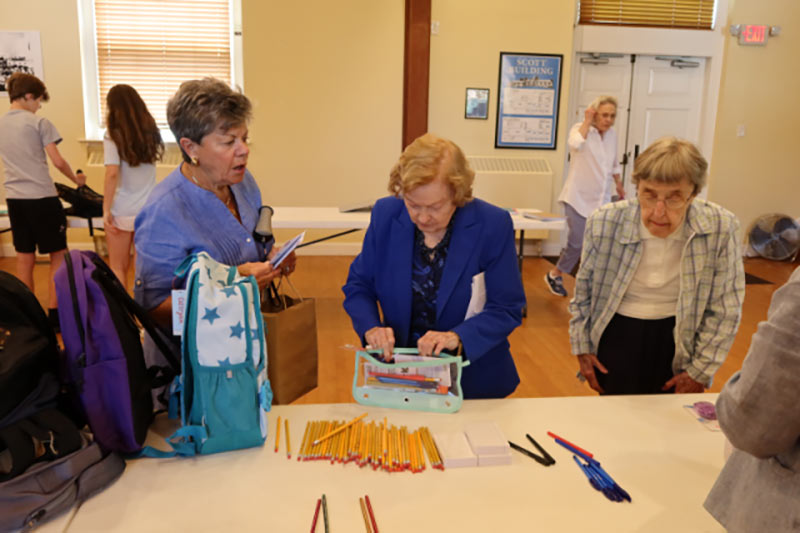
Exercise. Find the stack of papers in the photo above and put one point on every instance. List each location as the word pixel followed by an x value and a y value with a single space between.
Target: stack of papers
pixel 480 444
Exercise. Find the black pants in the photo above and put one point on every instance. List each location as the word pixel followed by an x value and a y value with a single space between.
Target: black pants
pixel 638 355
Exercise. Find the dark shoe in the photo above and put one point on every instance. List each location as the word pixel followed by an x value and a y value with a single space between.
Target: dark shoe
pixel 52 314
pixel 555 284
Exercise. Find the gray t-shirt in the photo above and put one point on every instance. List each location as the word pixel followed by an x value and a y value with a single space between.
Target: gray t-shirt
pixel 23 137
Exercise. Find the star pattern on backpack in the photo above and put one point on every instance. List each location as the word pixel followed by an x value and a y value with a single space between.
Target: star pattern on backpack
pixel 229 291
pixel 237 330
pixel 211 315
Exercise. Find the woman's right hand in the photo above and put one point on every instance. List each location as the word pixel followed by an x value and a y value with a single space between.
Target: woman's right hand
pixel 588 362
pixel 108 224
pixel 262 271
pixel 379 338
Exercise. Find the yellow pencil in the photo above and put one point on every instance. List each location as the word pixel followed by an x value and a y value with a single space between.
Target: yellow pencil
pixel 277 433
pixel 340 428
pixel 288 442
pixel 364 514
pixel 301 451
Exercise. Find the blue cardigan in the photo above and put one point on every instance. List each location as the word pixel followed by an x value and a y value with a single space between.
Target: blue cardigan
pixel 482 241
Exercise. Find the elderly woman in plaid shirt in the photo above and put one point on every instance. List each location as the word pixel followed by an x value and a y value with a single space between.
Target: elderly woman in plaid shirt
pixel 658 296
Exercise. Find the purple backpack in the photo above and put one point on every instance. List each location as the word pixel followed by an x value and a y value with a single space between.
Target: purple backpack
pixel 103 356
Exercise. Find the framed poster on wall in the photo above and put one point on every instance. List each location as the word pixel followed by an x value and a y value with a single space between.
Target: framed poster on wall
pixel 20 51
pixel 528 95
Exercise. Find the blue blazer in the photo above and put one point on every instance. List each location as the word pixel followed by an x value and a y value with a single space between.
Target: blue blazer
pixel 482 241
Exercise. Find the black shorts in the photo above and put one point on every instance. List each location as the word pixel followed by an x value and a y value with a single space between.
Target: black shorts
pixel 39 222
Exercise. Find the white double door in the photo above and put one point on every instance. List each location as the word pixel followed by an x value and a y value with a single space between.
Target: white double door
pixel 657 96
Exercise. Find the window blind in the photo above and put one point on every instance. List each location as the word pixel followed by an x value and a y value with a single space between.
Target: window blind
pixel 155 45
pixel 684 14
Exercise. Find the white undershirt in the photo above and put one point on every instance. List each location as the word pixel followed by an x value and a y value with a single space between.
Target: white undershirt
pixel 653 292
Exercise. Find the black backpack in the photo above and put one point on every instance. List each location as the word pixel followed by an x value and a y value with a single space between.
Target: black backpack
pixel 44 457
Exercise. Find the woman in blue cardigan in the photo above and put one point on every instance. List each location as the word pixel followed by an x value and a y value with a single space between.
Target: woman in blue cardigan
pixel 425 251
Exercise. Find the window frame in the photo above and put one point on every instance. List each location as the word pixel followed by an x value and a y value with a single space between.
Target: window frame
pixel 94 129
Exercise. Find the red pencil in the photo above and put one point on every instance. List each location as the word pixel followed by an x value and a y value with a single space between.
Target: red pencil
pixel 568 442
pixel 316 515
pixel 371 515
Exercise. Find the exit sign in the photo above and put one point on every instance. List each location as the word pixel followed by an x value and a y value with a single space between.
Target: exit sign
pixel 753 34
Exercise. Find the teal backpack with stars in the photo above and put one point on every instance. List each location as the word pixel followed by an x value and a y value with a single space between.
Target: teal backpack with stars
pixel 223 393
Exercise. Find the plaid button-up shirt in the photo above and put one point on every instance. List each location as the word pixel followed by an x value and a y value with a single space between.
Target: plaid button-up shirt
pixel 711 283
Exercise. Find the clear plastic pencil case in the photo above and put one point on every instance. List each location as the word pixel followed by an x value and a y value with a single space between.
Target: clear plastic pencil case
pixel 410 381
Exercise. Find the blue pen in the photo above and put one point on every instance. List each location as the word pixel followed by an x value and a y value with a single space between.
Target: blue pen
pixel 609 480
pixel 597 482
pixel 577 452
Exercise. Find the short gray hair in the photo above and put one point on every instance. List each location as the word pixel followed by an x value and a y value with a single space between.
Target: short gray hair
pixel 202 106
pixel 669 160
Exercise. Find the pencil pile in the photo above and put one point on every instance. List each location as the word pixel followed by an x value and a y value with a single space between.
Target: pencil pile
pixel 376 444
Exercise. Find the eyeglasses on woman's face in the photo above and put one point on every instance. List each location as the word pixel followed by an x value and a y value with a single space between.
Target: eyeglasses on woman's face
pixel 674 201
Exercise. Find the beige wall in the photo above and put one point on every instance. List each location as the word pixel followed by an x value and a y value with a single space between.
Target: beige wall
pixel 758 173
pixel 466 53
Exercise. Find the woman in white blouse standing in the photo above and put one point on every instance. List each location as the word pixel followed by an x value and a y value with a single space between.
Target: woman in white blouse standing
pixel 592 167
pixel 132 145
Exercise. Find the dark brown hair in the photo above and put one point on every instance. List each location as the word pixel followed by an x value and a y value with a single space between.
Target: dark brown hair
pixel 19 84
pixel 131 126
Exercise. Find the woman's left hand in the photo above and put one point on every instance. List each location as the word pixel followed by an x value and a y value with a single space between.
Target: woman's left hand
pixel 433 342
pixel 683 384
pixel 287 265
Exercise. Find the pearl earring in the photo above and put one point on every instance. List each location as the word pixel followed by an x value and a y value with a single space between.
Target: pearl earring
pixel 195 162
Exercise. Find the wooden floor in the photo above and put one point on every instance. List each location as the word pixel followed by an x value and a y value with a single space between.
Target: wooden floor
pixel 540 346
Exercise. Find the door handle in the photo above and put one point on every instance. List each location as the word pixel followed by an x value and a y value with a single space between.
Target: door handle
pixel 624 159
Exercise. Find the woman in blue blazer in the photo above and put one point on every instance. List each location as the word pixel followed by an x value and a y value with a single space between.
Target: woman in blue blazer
pixel 424 251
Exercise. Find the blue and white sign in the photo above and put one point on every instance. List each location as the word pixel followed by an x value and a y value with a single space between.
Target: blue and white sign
pixel 528 99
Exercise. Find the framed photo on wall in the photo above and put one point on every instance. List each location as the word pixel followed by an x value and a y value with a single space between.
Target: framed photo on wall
pixel 528 96
pixel 477 103
pixel 20 51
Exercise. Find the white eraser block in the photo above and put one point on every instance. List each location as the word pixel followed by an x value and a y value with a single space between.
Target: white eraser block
pixel 493 460
pixel 486 439
pixel 455 450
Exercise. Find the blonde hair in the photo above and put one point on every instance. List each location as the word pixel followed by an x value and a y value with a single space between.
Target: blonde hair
pixel 430 157
pixel 669 160
pixel 600 100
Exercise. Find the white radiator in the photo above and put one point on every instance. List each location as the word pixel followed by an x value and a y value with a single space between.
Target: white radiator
pixel 513 182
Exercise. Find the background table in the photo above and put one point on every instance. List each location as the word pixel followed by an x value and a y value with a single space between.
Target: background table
pixel 662 456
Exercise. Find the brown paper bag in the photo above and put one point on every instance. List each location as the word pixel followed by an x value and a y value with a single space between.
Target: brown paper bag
pixel 291 345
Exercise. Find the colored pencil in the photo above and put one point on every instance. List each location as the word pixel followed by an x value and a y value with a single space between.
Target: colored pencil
pixel 277 433
pixel 568 442
pixel 364 514
pixel 340 428
pixel 316 515
pixel 325 513
pixel 288 442
pixel 371 515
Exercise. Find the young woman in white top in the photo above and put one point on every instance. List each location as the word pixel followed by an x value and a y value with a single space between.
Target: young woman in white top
pixel 132 145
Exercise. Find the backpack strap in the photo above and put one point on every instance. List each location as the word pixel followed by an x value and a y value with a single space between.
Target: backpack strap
pixel 156 332
pixel 73 292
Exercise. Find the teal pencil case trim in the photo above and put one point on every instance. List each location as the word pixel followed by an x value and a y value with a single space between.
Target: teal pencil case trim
pixel 408 398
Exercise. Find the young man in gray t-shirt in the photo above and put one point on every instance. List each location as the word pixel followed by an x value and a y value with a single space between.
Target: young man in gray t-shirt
pixel 35 212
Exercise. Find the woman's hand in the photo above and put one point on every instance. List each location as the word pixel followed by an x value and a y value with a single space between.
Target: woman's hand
pixel 287 265
pixel 379 338
pixel 433 342
pixel 108 224
pixel 262 271
pixel 683 384
pixel 588 362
